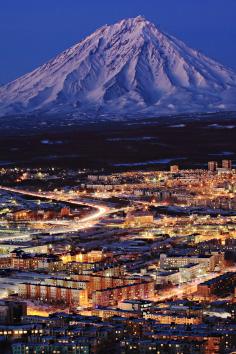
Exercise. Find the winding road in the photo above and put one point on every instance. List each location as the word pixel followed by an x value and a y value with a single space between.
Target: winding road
pixel 100 211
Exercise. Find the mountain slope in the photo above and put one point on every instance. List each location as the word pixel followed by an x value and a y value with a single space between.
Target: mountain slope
pixel 130 67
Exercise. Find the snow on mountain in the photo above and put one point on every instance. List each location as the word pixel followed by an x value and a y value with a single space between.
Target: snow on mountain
pixel 130 67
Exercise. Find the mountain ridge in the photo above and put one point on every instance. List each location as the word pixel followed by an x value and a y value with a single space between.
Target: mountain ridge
pixel 130 67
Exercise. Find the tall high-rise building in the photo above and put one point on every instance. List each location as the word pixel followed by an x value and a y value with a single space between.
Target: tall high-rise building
pixel 227 164
pixel 212 166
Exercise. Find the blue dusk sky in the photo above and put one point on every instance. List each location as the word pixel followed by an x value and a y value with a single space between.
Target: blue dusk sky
pixel 33 31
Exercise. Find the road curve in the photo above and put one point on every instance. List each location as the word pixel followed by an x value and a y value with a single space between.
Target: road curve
pixel 100 210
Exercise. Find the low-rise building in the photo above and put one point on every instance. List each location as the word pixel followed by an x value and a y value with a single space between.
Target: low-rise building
pixel 54 294
pixel 224 283
pixel 107 297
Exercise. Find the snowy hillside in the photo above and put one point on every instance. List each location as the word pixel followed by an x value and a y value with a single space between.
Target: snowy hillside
pixel 129 67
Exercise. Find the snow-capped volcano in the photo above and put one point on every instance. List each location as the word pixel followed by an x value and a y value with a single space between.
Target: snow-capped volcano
pixel 128 67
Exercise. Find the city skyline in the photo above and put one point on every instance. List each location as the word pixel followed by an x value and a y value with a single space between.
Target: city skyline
pixel 131 262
